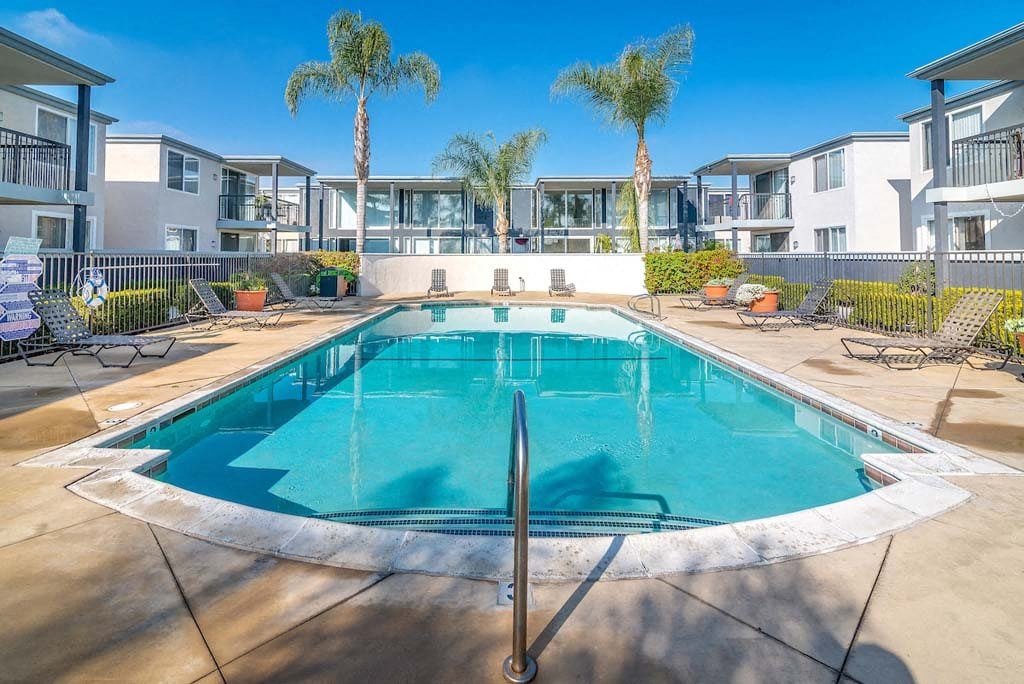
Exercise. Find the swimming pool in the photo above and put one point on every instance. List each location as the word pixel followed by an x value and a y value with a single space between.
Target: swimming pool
pixel 404 422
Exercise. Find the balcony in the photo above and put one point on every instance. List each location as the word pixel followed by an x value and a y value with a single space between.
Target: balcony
pixel 985 167
pixel 35 170
pixel 755 210
pixel 256 212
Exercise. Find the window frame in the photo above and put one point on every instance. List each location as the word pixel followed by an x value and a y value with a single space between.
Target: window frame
pixel 69 231
pixel 185 157
pixel 181 227
pixel 829 232
pixel 827 156
pixel 928 235
pixel 926 135
pixel 71 126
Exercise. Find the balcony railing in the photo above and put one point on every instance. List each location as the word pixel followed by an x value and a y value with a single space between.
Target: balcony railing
pixel 258 208
pixel 991 157
pixel 37 162
pixel 759 205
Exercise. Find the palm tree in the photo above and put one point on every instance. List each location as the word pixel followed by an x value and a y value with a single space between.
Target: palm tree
pixel 360 65
pixel 636 89
pixel 626 205
pixel 491 169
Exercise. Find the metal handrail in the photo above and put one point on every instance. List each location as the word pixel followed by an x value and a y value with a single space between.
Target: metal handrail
pixel 520 666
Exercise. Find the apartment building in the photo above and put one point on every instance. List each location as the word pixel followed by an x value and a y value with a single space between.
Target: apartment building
pixel 166 194
pixel 52 157
pixel 976 179
pixel 850 193
pixel 567 214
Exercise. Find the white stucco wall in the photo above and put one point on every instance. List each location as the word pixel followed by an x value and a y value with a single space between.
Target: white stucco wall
pixel 998 111
pixel 388 274
pixel 20 114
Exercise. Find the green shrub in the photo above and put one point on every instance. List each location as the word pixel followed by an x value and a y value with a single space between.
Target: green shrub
pixel 127 311
pixel 346 260
pixel 688 271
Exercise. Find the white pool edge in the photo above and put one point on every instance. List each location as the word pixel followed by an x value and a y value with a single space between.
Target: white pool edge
pixel 920 491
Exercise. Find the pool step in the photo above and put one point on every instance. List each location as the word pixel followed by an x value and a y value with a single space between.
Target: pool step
pixel 495 522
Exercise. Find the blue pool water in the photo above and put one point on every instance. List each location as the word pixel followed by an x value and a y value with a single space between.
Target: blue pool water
pixel 414 410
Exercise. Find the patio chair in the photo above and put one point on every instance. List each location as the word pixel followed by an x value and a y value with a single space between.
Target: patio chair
pixel 501 286
pixel 71 334
pixel 954 341
pixel 559 288
pixel 292 300
pixel 210 307
pixel 438 283
pixel 804 314
pixel 699 300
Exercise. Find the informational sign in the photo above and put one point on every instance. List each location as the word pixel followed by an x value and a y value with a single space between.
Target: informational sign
pixel 18 275
pixel 22 245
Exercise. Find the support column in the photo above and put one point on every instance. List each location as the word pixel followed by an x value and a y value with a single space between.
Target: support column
pixel 734 209
pixel 700 213
pixel 464 209
pixel 613 219
pixel 273 208
pixel 320 232
pixel 940 160
pixel 540 216
pixel 308 211
pixel 81 225
pixel 686 216
pixel 391 215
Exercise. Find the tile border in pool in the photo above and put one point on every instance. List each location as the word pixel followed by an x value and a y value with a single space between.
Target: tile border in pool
pixel 917 490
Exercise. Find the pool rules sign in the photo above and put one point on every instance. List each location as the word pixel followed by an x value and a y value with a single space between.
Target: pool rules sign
pixel 19 270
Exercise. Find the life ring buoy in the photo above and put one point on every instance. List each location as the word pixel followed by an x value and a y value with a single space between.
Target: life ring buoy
pixel 95 291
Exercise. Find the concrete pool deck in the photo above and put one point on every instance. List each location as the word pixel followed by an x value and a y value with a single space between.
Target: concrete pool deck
pixel 90 593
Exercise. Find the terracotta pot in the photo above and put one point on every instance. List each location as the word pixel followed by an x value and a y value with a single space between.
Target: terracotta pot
pixel 342 287
pixel 716 291
pixel 250 300
pixel 1020 339
pixel 770 302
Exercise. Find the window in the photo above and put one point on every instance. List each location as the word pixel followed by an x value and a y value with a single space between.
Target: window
pixel 64 129
pixel 771 242
pixel 960 125
pixel 180 239
pixel 552 210
pixel 657 209
pixel 580 206
pixel 831 239
pixel 182 172
pixel 966 233
pixel 830 171
pixel 56 230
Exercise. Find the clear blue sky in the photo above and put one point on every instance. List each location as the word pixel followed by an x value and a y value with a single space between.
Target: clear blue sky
pixel 766 77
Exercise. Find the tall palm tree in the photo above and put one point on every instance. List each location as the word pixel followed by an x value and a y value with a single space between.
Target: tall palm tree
pixel 360 65
pixel 627 206
pixel 491 169
pixel 636 89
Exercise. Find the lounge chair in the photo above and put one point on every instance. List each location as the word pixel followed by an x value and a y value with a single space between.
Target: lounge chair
pixel 292 300
pixel 71 334
pixel 954 341
pixel 558 287
pixel 438 283
pixel 210 307
pixel 501 286
pixel 804 314
pixel 700 300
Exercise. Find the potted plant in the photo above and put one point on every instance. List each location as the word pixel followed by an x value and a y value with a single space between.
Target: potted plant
pixel 250 290
pixel 1016 326
pixel 717 288
pixel 758 298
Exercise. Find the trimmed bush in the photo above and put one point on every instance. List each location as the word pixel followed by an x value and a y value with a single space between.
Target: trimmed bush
pixel 347 260
pixel 127 311
pixel 666 272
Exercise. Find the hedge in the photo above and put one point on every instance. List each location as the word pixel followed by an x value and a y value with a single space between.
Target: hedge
pixel 883 307
pixel 666 272
pixel 349 260
pixel 127 311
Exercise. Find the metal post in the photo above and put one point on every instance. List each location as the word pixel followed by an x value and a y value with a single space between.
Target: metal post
pixel 940 160
pixel 734 210
pixel 320 232
pixel 520 666
pixel 540 215
pixel 273 209
pixel 686 215
pixel 614 220
pixel 700 212
pixel 81 224
pixel 308 211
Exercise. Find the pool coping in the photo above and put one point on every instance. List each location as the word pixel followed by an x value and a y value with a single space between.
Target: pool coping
pixel 916 479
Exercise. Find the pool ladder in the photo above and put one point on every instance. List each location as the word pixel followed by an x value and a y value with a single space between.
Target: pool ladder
pixel 520 666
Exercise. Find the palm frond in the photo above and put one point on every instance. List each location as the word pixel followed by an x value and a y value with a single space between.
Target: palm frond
pixel 415 68
pixel 313 78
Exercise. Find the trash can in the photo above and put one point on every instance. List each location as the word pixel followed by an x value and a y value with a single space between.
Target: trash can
pixel 327 282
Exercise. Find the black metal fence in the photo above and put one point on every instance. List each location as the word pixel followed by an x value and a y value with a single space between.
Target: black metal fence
pixel 897 292
pixel 148 290
pixel 990 157
pixel 30 160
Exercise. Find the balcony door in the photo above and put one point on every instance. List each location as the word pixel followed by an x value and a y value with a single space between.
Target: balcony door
pixel 771 189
